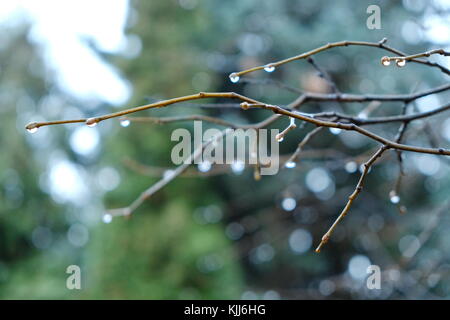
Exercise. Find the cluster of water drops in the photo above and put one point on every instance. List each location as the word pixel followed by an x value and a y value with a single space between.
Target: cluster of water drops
pixel 91 122
pixel 234 77
pixel 386 61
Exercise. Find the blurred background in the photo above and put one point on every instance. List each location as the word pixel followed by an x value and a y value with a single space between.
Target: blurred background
pixel 218 236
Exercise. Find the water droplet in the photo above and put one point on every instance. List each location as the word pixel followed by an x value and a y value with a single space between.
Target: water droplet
pixel 269 67
pixel 107 218
pixel 385 61
pixel 400 62
pixel 237 167
pixel 290 164
pixel 394 197
pixel 351 166
pixel 335 131
pixel 234 77
pixel 288 204
pixel 204 166
pixel 279 137
pixel 245 105
pixel 32 128
pixel 91 122
pixel 125 122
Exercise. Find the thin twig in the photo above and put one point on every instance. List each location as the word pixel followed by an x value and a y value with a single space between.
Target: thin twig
pixel 417 55
pixel 294 157
pixel 324 75
pixel 305 97
pixel 381 44
pixel 352 197
pixel 165 180
pixel 353 127
pixel 378 120
pixel 160 104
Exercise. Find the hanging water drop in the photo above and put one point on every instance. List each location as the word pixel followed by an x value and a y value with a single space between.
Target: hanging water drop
pixel 400 62
pixel 234 77
pixel 335 131
pixel 269 67
pixel 279 137
pixel 385 61
pixel 32 127
pixel 394 197
pixel 290 164
pixel 125 122
pixel 91 122
pixel 107 218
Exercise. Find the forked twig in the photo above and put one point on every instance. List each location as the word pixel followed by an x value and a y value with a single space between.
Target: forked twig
pixel 352 197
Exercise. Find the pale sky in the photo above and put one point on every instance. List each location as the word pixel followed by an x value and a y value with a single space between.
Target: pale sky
pixel 59 26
